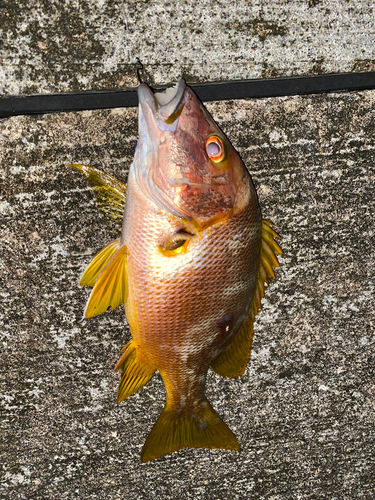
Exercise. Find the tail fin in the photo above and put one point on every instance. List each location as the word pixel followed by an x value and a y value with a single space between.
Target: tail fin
pixel 201 429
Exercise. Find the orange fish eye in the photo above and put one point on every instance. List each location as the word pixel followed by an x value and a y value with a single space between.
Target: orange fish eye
pixel 215 149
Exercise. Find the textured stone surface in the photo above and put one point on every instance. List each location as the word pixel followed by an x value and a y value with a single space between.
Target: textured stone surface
pixel 54 46
pixel 304 410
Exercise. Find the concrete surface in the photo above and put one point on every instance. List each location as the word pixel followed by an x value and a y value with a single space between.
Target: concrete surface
pixel 54 46
pixel 303 411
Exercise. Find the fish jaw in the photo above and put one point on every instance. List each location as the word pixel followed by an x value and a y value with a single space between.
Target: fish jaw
pixel 172 166
pixel 153 131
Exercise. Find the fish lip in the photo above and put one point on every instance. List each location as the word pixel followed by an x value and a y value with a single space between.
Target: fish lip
pixel 168 108
pixel 146 97
pixel 162 104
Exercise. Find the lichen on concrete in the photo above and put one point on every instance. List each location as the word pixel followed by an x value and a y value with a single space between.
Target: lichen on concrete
pixel 303 411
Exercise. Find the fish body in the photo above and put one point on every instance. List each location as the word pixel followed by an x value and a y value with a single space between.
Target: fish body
pixel 190 266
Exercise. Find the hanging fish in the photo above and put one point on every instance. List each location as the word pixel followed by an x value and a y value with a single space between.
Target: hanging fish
pixel 190 265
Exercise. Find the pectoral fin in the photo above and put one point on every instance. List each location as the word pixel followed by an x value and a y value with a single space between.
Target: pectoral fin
pixel 110 289
pixel 233 360
pixel 110 194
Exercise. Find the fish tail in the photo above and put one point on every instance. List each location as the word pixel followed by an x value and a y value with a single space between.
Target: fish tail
pixel 135 373
pixel 201 428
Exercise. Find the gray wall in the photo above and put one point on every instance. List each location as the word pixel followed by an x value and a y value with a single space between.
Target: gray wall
pixel 90 44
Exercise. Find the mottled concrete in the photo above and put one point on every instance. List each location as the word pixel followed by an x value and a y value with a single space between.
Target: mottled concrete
pixel 304 410
pixel 54 46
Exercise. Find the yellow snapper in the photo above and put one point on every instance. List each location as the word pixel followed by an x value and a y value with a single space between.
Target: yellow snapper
pixel 190 265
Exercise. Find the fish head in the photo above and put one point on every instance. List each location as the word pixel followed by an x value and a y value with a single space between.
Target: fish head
pixel 185 163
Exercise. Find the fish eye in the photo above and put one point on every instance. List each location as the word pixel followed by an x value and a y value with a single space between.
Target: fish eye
pixel 215 149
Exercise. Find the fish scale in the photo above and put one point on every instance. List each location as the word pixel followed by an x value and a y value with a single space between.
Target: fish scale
pixel 190 266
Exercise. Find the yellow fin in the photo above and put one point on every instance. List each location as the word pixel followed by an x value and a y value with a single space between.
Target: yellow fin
pixel 176 430
pixel 98 263
pixel 233 360
pixel 135 374
pixel 110 288
pixel 110 194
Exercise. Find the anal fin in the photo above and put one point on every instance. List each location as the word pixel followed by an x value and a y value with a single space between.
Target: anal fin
pixel 233 360
pixel 174 430
pixel 135 374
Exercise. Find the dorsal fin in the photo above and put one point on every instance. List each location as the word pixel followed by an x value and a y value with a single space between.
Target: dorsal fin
pixel 233 360
pixel 110 194
pixel 110 288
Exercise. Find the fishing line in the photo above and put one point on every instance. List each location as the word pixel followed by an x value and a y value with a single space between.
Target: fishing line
pixel 139 68
pixel 209 91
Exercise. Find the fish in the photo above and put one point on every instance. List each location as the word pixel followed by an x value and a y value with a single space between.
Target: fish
pixel 190 264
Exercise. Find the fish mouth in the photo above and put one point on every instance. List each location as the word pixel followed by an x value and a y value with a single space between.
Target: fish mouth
pixel 158 116
pixel 163 105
